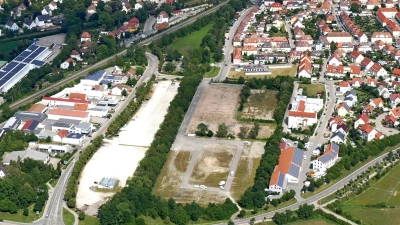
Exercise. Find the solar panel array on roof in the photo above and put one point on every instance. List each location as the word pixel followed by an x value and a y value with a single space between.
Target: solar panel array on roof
pixel 95 76
pixel 281 179
pixel 32 125
pixel 326 158
pixel 294 170
pixel 20 62
pixel 297 156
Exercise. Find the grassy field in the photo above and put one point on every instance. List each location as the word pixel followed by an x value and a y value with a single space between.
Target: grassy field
pixel 192 40
pixel 68 217
pixel 212 73
pixel 260 105
pixel 291 71
pixel 385 190
pixel 7 47
pixel 312 89
pixel 19 217
pixel 318 221
pixel 53 182
pixel 182 161
pixel 89 220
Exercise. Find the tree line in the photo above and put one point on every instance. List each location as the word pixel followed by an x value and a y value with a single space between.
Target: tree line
pixel 70 193
pixel 15 141
pixel 25 185
pixel 254 197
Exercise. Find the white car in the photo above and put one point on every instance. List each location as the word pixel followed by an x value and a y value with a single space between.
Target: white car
pixel 196 186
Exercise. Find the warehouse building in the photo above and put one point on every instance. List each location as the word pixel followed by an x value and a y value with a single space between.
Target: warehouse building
pixel 25 116
pixel 32 154
pixel 12 123
pixel 94 79
pixel 53 102
pixel 56 114
pixel 32 57
pixel 54 148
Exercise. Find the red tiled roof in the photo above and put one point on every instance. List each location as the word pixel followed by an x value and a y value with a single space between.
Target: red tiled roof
pixel 85 35
pixel 62 133
pixel 65 112
pixel 303 114
pixel 65 100
pixel 364 117
pixel 366 128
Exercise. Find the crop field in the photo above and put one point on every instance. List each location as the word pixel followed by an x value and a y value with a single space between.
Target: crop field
pixel 260 105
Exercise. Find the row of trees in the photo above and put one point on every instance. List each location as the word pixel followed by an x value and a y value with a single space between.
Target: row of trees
pixel 124 117
pixel 254 196
pixel 26 185
pixel 70 193
pixel 15 141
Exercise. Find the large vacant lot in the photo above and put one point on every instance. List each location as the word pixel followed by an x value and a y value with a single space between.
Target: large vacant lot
pixel 219 104
pixel 260 105
pixel 385 190
pixel 119 157
pixel 213 165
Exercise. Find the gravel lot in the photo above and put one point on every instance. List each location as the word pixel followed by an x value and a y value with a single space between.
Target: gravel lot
pixel 120 156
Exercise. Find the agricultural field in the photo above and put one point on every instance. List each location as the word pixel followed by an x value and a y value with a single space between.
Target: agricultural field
pixel 386 190
pixel 260 105
pixel 192 40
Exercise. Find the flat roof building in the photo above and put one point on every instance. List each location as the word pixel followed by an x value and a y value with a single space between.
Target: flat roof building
pixel 37 108
pixel 25 116
pixel 32 154
pixel 94 78
pixel 12 123
pixel 68 114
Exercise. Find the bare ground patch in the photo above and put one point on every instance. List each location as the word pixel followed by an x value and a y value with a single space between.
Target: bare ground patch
pixel 260 105
pixel 217 105
pixel 213 164
pixel 246 169
pixel 170 178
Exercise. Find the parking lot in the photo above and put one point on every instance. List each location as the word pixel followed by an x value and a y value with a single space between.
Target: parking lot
pixel 57 39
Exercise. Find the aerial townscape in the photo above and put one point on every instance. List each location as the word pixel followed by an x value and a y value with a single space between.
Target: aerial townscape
pixel 183 112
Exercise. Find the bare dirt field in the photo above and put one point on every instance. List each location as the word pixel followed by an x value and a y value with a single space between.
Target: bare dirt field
pixel 119 157
pixel 260 105
pixel 217 105
pixel 213 164
pixel 246 170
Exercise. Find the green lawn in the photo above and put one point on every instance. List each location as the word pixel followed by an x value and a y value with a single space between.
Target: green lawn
pixel 90 220
pixel 312 89
pixel 212 73
pixel 7 47
pixel 53 182
pixel 316 221
pixel 68 217
pixel 192 40
pixel 18 217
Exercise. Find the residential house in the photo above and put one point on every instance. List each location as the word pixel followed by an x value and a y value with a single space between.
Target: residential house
pixel 366 63
pixel 237 55
pixel 376 103
pixel 378 70
pixel 91 9
pixel 356 56
pixel 10 25
pixel 362 119
pixel 301 117
pixel 369 133
pixel 85 36
pixel 162 17
pixel 395 112
pixel 335 61
pixel 328 159
pixel 394 100
pixel 344 87
pixel 372 82
pixel 335 123
pixel 383 91
pixel 43 20
pixel 67 63
pixel 126 7
pixel 139 5
pixel 339 37
pixel 29 24
pixel 46 10
pixel 386 37
pixel 275 7
pixel 391 121
pixel 338 137
pixel 75 55
pixel 343 109
pixel 356 82
pixel 367 109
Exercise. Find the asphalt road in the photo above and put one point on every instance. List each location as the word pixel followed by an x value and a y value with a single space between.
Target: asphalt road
pixel 84 72
pixel 228 61
pixel 148 26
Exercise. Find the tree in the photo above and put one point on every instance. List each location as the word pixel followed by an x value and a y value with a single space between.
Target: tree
pixel 139 71
pixel 222 130
pixel 124 93
pixel 242 213
pixel 243 132
pixel 305 211
pixel 333 47
pixel 71 203
pixel 355 8
pixel 202 129
pixel 48 139
pixel 283 29
pixel 241 80
pixel 26 212
pixel 170 67
pixel 81 215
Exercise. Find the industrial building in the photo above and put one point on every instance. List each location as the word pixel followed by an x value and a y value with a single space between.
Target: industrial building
pixel 94 79
pixel 56 114
pixel 32 57
pixel 12 123
pixel 54 148
pixel 35 155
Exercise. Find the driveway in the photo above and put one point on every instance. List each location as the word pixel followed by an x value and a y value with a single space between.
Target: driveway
pixel 385 130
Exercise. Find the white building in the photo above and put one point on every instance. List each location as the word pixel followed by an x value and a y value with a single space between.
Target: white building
pixel 386 37
pixel 35 155
pixel 94 79
pixel 55 114
pixel 328 159
pixel 162 17
pixel 74 139
pixel 339 37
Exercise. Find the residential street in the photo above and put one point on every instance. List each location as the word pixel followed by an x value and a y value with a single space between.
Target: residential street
pixel 228 61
